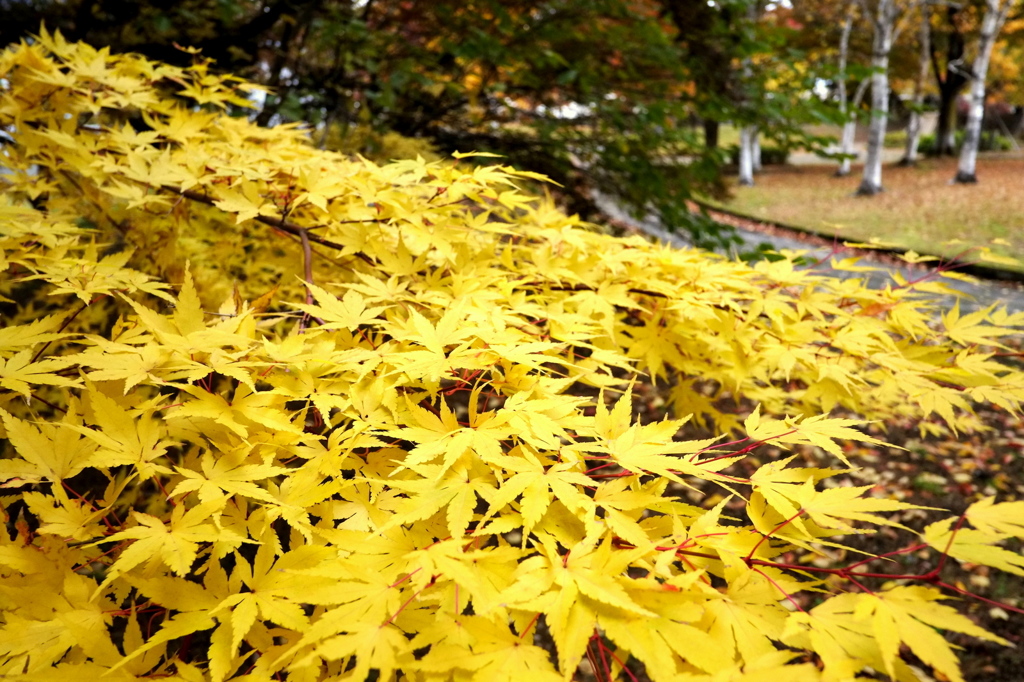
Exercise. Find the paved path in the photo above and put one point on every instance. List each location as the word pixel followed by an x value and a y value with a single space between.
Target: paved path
pixel 980 295
pixel 800 157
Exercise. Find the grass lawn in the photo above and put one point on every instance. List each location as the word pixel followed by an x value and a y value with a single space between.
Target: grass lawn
pixel 919 209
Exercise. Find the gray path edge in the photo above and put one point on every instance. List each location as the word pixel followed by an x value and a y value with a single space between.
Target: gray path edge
pixel 973 295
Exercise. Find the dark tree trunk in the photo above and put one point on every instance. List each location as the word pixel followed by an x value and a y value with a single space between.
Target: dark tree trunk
pixel 950 78
pixel 945 129
pixel 711 133
pixel 946 123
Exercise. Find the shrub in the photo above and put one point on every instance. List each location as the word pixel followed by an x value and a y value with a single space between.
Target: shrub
pixel 417 457
pixel 770 156
pixel 896 140
pixel 989 143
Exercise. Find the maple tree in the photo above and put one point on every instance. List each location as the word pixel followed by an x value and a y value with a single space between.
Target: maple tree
pixel 599 95
pixel 560 85
pixel 273 412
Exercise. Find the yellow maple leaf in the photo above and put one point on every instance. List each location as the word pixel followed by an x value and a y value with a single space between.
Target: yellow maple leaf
pixel 48 452
pixel 347 312
pixel 973 546
pixel 174 544
pixel 1006 518
pixel 20 372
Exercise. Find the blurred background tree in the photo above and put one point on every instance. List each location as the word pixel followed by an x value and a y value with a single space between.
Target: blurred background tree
pixel 602 96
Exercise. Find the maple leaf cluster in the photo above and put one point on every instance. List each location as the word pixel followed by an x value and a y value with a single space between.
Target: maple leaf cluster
pixel 272 412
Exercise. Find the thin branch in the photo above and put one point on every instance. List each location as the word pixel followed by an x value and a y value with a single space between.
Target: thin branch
pixel 63 326
pixel 276 223
pixel 307 273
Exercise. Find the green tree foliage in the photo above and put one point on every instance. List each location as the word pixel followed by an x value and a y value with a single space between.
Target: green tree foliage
pixel 746 65
pixel 817 29
pixel 276 413
pixel 596 94
pixel 587 92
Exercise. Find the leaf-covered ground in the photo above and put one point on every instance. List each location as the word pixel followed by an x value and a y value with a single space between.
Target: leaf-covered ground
pixel 919 210
pixel 952 474
pixel 949 473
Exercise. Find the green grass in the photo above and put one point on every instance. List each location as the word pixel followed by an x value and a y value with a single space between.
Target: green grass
pixel 728 136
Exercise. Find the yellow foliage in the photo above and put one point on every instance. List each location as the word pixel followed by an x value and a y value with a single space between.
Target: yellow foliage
pixel 421 444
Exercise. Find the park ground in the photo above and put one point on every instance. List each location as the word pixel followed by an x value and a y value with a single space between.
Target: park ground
pixel 950 472
pixel 920 209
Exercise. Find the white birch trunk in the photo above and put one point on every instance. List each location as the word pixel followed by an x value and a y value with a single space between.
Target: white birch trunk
pixel 747 134
pixel 995 16
pixel 846 148
pixel 924 63
pixel 850 131
pixel 850 125
pixel 883 20
pixel 756 151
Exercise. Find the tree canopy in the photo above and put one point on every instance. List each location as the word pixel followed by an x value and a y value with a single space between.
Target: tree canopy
pixel 277 413
pixel 602 95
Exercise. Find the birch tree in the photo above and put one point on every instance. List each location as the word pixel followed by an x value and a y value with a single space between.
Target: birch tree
pixel 914 127
pixel 850 130
pixel 750 148
pixel 995 16
pixel 886 21
pixel 883 15
pixel 847 108
pixel 748 133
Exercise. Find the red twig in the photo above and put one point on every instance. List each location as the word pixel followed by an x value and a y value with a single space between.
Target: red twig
pixel 773 532
pixel 787 595
pixel 529 625
pixel 408 601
